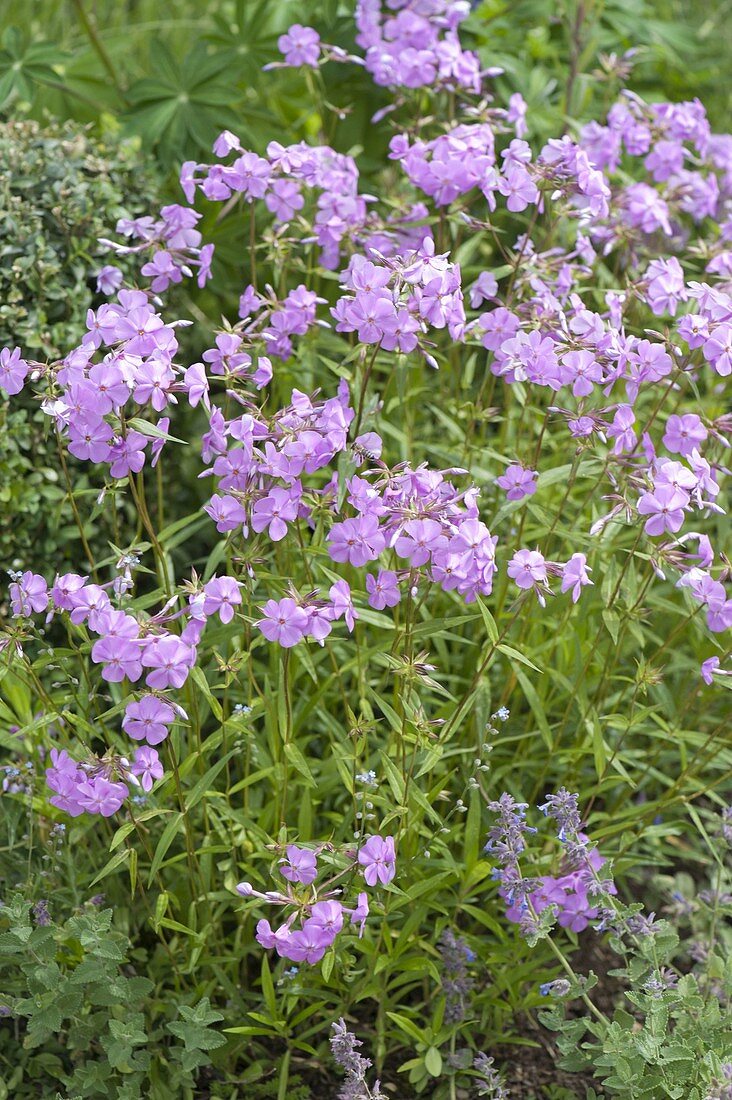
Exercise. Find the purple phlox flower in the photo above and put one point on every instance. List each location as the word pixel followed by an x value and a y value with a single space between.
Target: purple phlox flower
pixel 360 913
pixel 518 482
pixel 226 143
pixel 226 512
pixel 87 602
pixel 621 429
pixel 65 587
pixel 309 944
pixel 300 45
pixel 711 668
pixel 717 349
pixel 284 622
pixel 276 510
pixel 102 796
pixel 90 438
pixel 383 589
pixel 127 455
pixel 320 621
pixel 284 199
pixel 13 371
pixel 28 594
pixel 221 594
pixel 340 594
pixel 109 279
pixel 203 263
pixel 684 434
pixel 484 287
pixel 120 654
pixel 518 187
pixel 356 541
pixel 301 865
pixel 156 448
pixel 169 659
pixel 148 719
pixel 147 767
pixel 664 508
pixel 419 540
pixel 582 370
pixel 528 569
pixel 327 915
pixel 196 385
pixel 227 356
pixel 516 113
pixel 575 575
pixel 666 285
pixel 162 270
pixel 378 859
pixel 279 939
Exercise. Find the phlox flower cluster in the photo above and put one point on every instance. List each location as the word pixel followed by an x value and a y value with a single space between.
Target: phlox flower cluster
pixel 283 179
pixel 95 786
pixel 320 915
pixel 129 648
pixel 393 303
pixel 610 369
pixel 416 45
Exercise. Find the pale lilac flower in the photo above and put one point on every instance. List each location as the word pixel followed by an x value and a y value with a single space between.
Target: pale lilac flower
pixel 221 594
pixel 226 512
pixel 28 594
pixel 169 659
pixel 147 767
pixel 300 45
pixel 101 796
pixel 148 719
pixel 485 286
pixel 13 371
pixel 120 656
pixel 275 511
pixel 327 915
pixel 361 912
pixel 527 568
pixel 664 508
pixel 309 944
pixel 518 482
pixel 109 279
pixel 684 434
pixel 340 594
pixel 383 589
pixel 356 540
pixel 301 865
pixel 377 858
pixel 420 539
pixel 283 622
pixel 708 668
pixel 575 575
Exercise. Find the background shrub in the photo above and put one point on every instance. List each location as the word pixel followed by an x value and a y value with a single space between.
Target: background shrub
pixel 61 188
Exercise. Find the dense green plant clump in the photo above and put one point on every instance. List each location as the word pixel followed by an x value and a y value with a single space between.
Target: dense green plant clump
pixel 367 736
pixel 61 188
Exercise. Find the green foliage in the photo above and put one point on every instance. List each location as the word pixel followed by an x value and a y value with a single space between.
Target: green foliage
pixel 674 1033
pixel 76 995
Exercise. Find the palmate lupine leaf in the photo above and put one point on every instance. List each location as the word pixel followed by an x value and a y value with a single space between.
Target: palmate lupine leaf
pixel 186 102
pixel 24 65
